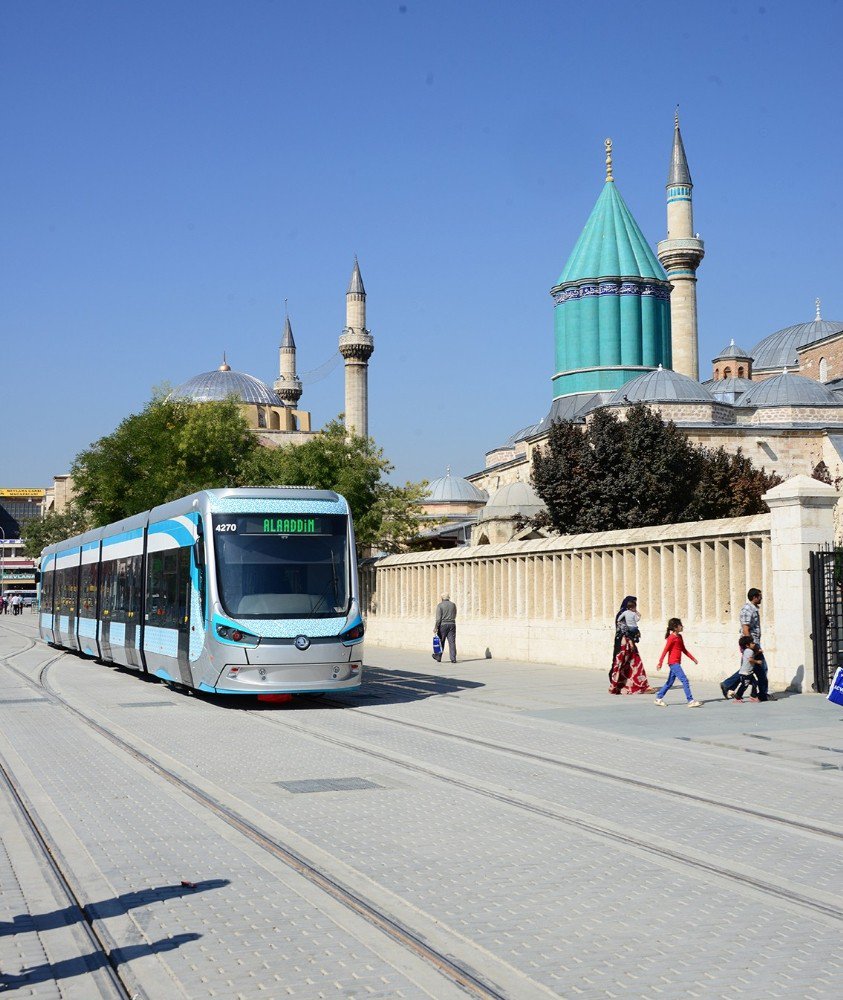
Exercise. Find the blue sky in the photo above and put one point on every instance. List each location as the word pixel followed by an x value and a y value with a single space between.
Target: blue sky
pixel 174 170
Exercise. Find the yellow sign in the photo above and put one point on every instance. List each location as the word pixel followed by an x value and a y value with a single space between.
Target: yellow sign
pixel 34 492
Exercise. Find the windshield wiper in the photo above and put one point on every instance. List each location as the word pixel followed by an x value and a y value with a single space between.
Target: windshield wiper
pixel 334 582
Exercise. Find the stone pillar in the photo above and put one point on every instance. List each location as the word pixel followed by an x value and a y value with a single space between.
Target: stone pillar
pixel 801 521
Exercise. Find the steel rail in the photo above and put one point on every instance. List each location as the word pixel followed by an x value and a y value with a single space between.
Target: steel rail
pixel 472 982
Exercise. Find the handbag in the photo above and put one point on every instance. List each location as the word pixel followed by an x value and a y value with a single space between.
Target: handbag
pixel 437 646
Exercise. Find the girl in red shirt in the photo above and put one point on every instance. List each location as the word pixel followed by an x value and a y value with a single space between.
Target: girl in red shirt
pixel 673 650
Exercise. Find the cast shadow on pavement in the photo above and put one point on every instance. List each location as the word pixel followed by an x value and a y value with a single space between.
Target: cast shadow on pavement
pixel 101 910
pixel 398 686
pixel 84 965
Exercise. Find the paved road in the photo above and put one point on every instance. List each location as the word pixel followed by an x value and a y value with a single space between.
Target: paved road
pixel 486 829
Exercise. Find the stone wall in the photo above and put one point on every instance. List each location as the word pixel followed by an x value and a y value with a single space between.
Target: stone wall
pixel 554 600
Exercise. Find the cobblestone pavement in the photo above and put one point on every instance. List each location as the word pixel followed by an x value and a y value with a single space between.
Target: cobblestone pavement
pixel 543 836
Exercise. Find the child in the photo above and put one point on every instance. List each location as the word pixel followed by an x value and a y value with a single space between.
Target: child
pixel 750 659
pixel 673 650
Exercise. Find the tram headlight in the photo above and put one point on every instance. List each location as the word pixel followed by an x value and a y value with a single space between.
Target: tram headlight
pixel 231 634
pixel 353 634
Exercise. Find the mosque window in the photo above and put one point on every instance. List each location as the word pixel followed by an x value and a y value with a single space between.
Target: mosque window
pixel 727 373
pixel 717 373
pixel 823 370
pixel 261 417
pixel 740 371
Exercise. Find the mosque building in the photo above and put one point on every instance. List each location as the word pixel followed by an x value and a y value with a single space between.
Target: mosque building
pixel 626 331
pixel 273 412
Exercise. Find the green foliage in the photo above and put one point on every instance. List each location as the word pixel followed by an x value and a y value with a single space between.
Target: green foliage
pixel 168 450
pixel 638 472
pixel 385 516
pixel 39 532
pixel 173 448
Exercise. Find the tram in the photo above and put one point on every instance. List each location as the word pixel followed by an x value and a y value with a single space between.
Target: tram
pixel 233 591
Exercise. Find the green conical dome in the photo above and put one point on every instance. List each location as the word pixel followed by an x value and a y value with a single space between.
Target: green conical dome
pixel 611 245
pixel 612 315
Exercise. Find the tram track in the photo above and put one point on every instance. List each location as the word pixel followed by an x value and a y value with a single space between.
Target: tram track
pixel 596 772
pixel 470 981
pixel 661 852
pixel 114 981
pixel 460 974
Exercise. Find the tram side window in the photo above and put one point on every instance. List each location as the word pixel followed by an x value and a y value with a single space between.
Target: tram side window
pixel 88 591
pixel 66 590
pixel 108 581
pixel 47 581
pixel 168 589
pixel 127 589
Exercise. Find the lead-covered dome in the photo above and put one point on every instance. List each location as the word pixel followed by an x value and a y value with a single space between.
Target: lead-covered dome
pixel 779 349
pixel 454 489
pixel 662 386
pixel 789 390
pixel 513 500
pixel 222 383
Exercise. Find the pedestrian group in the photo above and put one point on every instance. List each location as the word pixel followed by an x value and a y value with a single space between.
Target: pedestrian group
pixel 628 676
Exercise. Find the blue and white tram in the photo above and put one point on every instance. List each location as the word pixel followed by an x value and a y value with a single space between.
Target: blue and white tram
pixel 236 591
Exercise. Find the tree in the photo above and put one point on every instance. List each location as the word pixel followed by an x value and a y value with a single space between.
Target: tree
pixel 173 448
pixel 640 471
pixel 170 449
pixel 385 516
pixel 39 532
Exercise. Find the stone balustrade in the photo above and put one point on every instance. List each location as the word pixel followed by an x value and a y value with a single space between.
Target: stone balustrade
pixel 553 600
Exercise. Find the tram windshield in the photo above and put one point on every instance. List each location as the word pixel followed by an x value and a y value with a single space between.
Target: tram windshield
pixel 282 565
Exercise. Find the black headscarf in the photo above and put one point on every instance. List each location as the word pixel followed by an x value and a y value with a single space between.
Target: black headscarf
pixel 625 603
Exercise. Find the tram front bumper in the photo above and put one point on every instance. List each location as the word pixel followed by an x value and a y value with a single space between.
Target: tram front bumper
pixel 288 678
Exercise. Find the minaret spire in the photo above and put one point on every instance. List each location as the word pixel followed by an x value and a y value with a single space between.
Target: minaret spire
pixel 609 177
pixel 680 255
pixel 356 347
pixel 288 385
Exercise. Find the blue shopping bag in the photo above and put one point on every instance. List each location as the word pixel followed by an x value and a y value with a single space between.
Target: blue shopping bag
pixel 835 693
pixel 437 646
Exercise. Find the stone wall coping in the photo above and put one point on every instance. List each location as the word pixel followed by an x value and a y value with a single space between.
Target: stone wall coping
pixel 689 531
pixel 802 488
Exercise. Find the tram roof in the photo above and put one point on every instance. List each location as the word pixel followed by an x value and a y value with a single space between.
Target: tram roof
pixel 193 501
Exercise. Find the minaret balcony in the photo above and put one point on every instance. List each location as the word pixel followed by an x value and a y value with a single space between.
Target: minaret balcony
pixel 356 344
pixel 686 253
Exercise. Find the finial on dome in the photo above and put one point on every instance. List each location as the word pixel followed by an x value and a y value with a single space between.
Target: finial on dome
pixel 608 145
pixel 732 342
pixel 660 367
pixel 224 367
pixel 785 371
pixel 818 317
pixel 447 471
pixel 676 118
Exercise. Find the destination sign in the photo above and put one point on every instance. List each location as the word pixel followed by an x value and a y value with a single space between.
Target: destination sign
pixel 276 524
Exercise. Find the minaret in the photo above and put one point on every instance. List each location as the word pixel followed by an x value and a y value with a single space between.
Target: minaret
pixel 356 346
pixel 288 385
pixel 680 255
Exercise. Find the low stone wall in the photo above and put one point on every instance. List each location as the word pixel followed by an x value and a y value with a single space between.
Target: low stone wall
pixel 554 600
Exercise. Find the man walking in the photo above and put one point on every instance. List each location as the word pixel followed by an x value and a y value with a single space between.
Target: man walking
pixel 750 622
pixel 446 627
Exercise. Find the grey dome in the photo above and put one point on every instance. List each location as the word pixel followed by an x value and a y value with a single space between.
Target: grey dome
pixel 454 489
pixel 789 390
pixel 728 390
pixel 222 383
pixel 779 349
pixel 662 386
pixel 511 500
pixel 732 351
